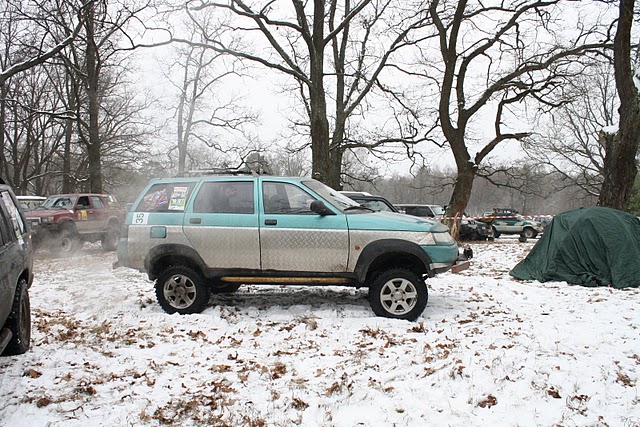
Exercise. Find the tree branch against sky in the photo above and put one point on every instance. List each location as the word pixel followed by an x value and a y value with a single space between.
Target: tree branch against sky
pixel 52 38
pixel 572 143
pixel 494 59
pixel 336 51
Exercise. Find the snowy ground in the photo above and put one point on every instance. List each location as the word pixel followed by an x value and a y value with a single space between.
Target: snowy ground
pixel 488 350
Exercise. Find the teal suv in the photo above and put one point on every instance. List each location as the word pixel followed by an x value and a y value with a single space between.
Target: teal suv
pixel 200 235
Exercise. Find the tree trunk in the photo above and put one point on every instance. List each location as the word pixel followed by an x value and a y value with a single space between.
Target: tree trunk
pixel 620 167
pixel 337 152
pixel 321 169
pixel 460 196
pixel 67 182
pixel 336 168
pixel 93 72
pixel 3 114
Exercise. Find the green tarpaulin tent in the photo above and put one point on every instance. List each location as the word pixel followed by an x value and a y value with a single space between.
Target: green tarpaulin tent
pixel 589 246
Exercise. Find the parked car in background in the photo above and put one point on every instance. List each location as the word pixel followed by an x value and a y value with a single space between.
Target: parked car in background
pixel 427 211
pixel 377 203
pixel 509 221
pixel 29 203
pixel 209 234
pixel 16 276
pixel 64 221
pixel 469 228
pixel 544 220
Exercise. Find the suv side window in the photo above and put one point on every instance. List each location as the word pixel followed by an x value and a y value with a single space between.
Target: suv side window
pixel 225 197
pixel 4 229
pixel 166 197
pixel 83 203
pixel 97 202
pixel 283 198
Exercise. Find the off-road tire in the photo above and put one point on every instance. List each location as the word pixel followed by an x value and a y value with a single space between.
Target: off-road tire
pixel 182 290
pixel 110 239
pixel 67 244
pixel 398 293
pixel 495 233
pixel 19 321
pixel 530 233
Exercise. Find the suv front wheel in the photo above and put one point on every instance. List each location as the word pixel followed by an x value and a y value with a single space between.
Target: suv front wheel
pixel 68 243
pixel 398 293
pixel 182 290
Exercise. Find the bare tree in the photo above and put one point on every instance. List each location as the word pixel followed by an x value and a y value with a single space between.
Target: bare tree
pixel 299 39
pixel 95 50
pixel 45 110
pixel 206 113
pixel 494 56
pixel 620 168
pixel 573 145
pixel 42 37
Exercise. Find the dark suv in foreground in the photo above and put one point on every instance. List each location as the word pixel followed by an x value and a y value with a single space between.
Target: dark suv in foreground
pixel 16 275
pixel 202 235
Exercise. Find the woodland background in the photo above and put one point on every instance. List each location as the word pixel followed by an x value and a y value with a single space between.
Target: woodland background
pixel 524 104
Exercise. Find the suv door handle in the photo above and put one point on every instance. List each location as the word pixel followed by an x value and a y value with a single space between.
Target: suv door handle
pixel 195 220
pixel 270 222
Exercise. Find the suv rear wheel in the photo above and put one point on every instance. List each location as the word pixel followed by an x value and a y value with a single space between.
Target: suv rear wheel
pixel 182 290
pixel 19 321
pixel 398 293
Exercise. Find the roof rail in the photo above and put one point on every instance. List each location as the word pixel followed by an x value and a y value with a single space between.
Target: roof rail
pixel 217 171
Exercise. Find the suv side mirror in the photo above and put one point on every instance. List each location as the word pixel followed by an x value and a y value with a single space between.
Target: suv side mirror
pixel 320 208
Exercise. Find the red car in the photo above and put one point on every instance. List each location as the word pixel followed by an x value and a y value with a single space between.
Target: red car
pixel 64 221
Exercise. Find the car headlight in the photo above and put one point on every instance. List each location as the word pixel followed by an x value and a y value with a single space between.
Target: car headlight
pixel 426 239
pixel 47 220
pixel 443 238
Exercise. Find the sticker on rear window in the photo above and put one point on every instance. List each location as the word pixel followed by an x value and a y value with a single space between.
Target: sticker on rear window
pixel 178 198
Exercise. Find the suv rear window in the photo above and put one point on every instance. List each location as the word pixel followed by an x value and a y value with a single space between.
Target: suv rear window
pixel 225 197
pixel 166 197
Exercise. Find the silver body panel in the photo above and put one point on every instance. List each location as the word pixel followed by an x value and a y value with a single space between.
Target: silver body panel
pixel 226 247
pixel 315 250
pixel 282 249
pixel 139 243
pixel 361 238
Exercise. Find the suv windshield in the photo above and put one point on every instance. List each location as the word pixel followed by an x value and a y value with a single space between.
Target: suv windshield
pixel 59 202
pixel 332 196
